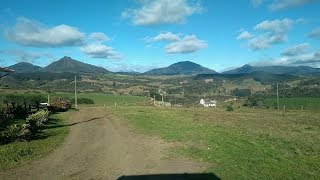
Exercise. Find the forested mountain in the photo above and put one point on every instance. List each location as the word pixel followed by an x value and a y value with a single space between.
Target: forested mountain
pixel 67 64
pixel 24 67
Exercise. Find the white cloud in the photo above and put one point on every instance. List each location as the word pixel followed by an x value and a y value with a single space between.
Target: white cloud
pixel 244 35
pixel 275 26
pixel 154 12
pixel 285 4
pixel 31 33
pixel 168 36
pixel 260 42
pixel 271 32
pixel 315 33
pixel 302 59
pixel 125 67
pixel 98 50
pixel 98 36
pixel 256 3
pixel 296 50
pixel 188 44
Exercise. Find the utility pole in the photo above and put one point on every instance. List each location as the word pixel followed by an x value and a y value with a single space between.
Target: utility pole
pixel 278 96
pixel 75 92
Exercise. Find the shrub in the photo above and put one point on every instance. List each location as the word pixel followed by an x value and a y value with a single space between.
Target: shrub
pixel 4 119
pixel 20 112
pixel 39 117
pixel 12 133
pixel 58 104
pixel 35 121
pixel 229 108
pixel 254 101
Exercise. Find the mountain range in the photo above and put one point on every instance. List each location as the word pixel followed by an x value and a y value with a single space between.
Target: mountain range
pixel 298 70
pixel 67 64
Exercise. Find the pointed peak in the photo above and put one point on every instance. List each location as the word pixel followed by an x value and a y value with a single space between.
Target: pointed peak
pixel 247 65
pixel 66 58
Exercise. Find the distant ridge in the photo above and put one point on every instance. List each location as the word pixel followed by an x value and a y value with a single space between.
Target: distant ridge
pixel 67 64
pixel 24 67
pixel 298 70
pixel 181 68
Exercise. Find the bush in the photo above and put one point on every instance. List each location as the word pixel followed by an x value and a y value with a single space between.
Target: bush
pixel 13 133
pixel 58 104
pixel 36 121
pixel 254 101
pixel 20 112
pixel 39 118
pixel 229 108
pixel 83 101
pixel 4 119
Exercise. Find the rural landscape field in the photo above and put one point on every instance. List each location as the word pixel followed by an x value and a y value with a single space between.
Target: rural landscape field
pixel 185 89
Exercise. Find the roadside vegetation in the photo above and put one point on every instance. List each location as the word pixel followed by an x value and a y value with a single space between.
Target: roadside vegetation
pixel 244 143
pixel 28 130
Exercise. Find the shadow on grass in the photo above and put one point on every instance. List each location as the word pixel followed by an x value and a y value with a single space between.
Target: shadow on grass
pixel 185 176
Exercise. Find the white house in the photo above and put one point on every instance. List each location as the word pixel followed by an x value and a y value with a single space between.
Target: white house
pixel 208 103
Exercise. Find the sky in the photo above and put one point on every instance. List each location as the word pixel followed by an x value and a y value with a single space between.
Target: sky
pixel 139 35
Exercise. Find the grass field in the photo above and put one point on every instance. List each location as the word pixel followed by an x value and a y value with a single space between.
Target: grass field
pixel 99 98
pixel 295 103
pixel 20 153
pixel 106 99
pixel 243 144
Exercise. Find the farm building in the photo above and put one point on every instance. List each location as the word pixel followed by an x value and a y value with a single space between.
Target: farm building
pixel 208 103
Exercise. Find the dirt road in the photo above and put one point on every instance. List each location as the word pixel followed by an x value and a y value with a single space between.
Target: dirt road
pixel 99 147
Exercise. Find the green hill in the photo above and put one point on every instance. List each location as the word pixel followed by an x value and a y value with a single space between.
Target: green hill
pixel 24 67
pixel 67 64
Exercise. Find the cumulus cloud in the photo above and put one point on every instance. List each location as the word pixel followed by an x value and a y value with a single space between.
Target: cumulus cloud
pixel 168 36
pixel 285 4
pixel 310 59
pixel 315 33
pixel 275 25
pixel 178 44
pixel 98 50
pixel 296 50
pixel 31 33
pixel 302 58
pixel 155 12
pixel 98 36
pixel 271 32
pixel 188 44
pixel 244 35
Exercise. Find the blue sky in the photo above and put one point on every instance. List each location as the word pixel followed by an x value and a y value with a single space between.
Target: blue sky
pixel 138 35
